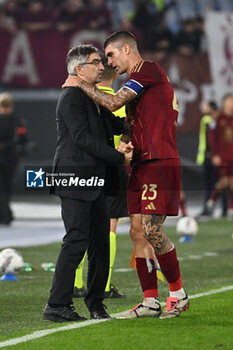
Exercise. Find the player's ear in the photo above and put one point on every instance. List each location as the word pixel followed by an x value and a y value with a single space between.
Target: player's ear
pixel 126 49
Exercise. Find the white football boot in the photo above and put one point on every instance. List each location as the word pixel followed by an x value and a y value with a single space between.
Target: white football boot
pixel 152 309
pixel 174 307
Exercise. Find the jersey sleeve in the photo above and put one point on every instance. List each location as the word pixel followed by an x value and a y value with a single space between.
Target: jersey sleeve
pixel 143 75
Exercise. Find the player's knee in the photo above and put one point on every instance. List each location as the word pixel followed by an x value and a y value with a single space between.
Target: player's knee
pixel 136 234
pixel 223 183
pixel 133 233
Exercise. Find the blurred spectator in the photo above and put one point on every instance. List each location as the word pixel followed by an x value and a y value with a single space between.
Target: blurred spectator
pixel 36 17
pixel 210 112
pixel 223 5
pixel 54 4
pixel 150 18
pixel 12 142
pixel 127 25
pixel 7 23
pixel 120 10
pixel 161 40
pixel 200 30
pixel 186 9
pixel 144 16
pixel 172 17
pixel 222 154
pixel 8 13
pixel 97 16
pixel 23 4
pixel 202 6
pixel 69 16
pixel 188 39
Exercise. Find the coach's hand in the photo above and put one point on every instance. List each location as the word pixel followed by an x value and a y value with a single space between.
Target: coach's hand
pixel 216 160
pixel 128 156
pixel 72 80
pixel 125 147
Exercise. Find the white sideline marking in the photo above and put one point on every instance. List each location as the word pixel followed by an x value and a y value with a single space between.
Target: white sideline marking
pixel 197 257
pixel 124 270
pixel 40 334
pixel 213 291
pixel 210 254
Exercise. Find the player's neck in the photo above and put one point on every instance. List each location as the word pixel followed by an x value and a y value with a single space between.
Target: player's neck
pixel 227 113
pixel 133 62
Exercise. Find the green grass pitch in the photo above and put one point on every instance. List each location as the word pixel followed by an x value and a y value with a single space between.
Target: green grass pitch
pixel 206 264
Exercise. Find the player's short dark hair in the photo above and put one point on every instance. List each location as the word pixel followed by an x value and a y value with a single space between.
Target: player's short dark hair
pixel 213 105
pixel 229 94
pixel 122 37
pixel 109 71
pixel 78 54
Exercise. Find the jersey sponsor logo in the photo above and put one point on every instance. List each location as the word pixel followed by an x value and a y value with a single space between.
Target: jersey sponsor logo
pixel 150 206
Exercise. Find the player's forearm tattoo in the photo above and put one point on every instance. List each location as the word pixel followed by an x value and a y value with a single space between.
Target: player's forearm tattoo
pixel 112 102
pixel 154 234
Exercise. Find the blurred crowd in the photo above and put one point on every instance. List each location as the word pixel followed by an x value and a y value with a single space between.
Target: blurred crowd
pixel 159 25
pixel 215 154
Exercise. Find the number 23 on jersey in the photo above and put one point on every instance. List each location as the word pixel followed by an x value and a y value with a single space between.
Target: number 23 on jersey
pixel 149 192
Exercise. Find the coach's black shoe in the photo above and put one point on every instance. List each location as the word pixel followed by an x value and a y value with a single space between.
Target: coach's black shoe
pixel 99 312
pixel 113 293
pixel 61 314
pixel 79 292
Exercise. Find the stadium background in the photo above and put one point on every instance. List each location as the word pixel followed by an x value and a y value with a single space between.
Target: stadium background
pixel 32 68
pixel 177 34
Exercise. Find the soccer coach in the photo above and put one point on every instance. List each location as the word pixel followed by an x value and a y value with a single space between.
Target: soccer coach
pixel 85 145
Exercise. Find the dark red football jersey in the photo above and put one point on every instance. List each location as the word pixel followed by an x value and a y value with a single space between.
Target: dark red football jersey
pixel 153 113
pixel 223 137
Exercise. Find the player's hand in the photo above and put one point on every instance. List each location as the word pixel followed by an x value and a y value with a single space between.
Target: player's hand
pixel 128 156
pixel 125 147
pixel 72 80
pixel 216 160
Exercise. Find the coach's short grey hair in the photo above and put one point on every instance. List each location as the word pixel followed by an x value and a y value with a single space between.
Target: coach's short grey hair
pixel 78 54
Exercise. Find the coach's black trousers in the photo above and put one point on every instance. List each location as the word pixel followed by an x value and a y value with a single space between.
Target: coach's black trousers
pixel 87 227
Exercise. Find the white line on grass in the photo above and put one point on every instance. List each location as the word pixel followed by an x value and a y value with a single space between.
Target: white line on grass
pixel 40 334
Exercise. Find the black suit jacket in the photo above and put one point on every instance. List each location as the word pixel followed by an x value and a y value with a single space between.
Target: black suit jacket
pixel 85 143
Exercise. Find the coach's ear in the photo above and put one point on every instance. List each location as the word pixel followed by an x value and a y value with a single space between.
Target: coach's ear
pixel 78 69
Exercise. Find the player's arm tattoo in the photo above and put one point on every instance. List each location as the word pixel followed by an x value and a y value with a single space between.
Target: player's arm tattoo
pixel 154 234
pixel 112 102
